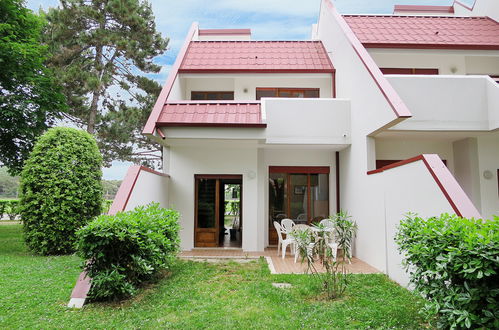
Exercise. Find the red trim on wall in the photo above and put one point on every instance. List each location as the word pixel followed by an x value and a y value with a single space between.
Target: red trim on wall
pixel 163 96
pixel 419 8
pixel 223 32
pixel 235 125
pixel 451 189
pixel 300 169
pixel 126 187
pixel 201 70
pixel 430 46
pixel 398 106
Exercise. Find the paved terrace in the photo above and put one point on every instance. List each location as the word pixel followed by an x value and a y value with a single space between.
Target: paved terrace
pixel 277 265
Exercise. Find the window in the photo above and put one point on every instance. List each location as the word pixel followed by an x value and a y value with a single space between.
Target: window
pixel 287 92
pixel 408 71
pixel 212 95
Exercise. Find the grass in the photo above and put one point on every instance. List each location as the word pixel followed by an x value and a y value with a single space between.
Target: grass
pixel 34 291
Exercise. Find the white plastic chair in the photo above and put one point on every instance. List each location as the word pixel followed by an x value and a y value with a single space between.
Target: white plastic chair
pixel 333 245
pixel 283 242
pixel 301 218
pixel 287 226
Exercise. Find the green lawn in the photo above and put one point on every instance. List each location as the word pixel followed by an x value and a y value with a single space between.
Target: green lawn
pixel 34 291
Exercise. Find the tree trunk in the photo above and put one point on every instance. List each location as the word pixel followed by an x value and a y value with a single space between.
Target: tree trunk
pixel 97 93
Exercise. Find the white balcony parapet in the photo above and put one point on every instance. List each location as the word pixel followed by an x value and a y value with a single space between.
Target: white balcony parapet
pixel 448 103
pixel 304 121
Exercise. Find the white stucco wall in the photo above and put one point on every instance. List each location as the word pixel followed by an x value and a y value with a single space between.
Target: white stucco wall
pixel 244 85
pixel 488 159
pixel 369 112
pixel 404 148
pixel 446 61
pixel 466 169
pixel 446 102
pixel 228 158
pixel 148 188
pixel 408 188
pixel 481 8
pixel 306 121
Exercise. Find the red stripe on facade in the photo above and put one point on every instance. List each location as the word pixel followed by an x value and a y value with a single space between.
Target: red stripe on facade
pixel 449 186
pixel 391 96
pixel 428 9
pixel 163 96
pixel 223 32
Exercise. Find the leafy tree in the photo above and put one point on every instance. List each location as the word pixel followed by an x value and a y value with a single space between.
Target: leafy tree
pixel 61 189
pixel 99 48
pixel 30 102
pixel 110 188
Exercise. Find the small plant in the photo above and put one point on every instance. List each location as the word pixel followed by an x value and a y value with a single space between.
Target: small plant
pixel 316 245
pixel 454 263
pixel 124 250
pixel 12 209
pixel 345 231
pixel 3 207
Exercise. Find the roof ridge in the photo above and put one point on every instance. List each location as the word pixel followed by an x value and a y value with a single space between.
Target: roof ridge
pixel 254 41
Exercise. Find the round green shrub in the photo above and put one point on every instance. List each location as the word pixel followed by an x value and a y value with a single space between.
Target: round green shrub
pixel 61 189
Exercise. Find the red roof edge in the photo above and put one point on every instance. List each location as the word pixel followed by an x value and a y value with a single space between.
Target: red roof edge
pixel 219 32
pixel 126 187
pixel 255 71
pixel 163 96
pixel 398 106
pixel 429 46
pixel 425 9
pixel 457 198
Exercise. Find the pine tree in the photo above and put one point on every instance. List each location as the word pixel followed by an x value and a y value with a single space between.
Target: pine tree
pixel 100 48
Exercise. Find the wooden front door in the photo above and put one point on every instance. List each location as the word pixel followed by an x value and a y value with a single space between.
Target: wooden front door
pixel 210 209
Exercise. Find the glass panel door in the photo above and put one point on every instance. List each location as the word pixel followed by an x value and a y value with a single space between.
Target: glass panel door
pixel 298 198
pixel 319 197
pixel 206 233
pixel 278 202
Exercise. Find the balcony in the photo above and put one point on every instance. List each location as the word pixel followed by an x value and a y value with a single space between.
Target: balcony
pixel 448 103
pixel 306 121
pixel 271 121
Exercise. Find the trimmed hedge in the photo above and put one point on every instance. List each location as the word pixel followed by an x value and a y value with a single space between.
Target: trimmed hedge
pixel 454 263
pixel 127 249
pixel 61 189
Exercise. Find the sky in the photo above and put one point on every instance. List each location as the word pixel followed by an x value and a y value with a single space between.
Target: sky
pixel 268 20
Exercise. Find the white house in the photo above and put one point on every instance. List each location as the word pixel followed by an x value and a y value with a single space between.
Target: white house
pixel 375 115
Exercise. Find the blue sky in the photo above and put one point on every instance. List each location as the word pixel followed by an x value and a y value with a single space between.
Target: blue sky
pixel 268 19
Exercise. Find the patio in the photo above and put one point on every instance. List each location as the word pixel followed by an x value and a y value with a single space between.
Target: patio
pixel 277 265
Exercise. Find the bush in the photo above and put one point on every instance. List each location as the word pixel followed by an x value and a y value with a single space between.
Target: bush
pixel 106 205
pixel 127 249
pixel 60 189
pixel 453 262
pixel 3 207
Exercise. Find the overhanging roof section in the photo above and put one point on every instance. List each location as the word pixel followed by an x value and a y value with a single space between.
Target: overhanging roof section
pixel 425 32
pixel 256 56
pixel 211 114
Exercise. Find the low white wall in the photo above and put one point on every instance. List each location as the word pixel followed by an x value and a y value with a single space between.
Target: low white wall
pixel 149 188
pixel 306 121
pixel 408 188
pixel 493 103
pixel 446 102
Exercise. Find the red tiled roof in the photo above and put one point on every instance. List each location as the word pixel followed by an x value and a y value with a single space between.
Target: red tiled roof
pixel 256 56
pixel 425 32
pixel 211 113
pixel 429 9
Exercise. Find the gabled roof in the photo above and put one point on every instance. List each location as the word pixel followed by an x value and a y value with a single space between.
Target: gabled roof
pixel 425 32
pixel 211 114
pixel 256 56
